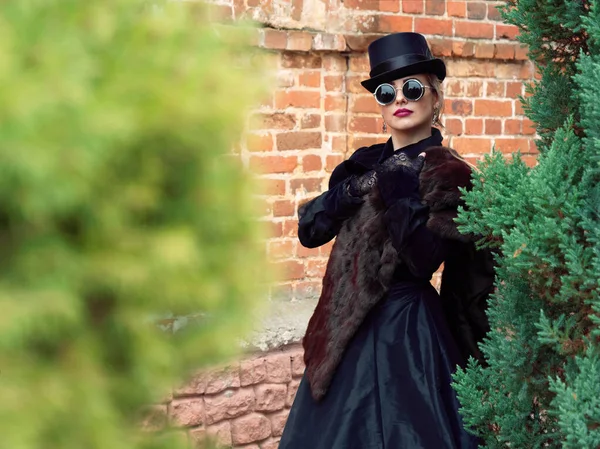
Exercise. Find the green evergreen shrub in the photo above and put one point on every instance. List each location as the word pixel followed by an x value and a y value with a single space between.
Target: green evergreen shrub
pixel 541 385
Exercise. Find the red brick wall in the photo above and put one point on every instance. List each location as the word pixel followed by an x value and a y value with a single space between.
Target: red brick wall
pixel 244 405
pixel 319 114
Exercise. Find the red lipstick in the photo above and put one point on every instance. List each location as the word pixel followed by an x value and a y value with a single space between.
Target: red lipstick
pixel 403 112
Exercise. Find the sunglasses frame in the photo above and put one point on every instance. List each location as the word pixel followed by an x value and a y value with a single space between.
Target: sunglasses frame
pixel 396 89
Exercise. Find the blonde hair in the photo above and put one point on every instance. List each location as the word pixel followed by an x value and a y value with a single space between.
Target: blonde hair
pixel 436 84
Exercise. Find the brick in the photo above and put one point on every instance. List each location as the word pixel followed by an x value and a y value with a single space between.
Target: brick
pixel 280 249
pixel 353 84
pixel 440 47
pixel 471 145
pixel 476 10
pixel 469 29
pixel 464 68
pixel 195 385
pixel 310 121
pixel 484 51
pixel 505 51
pixel 530 161
pixel 435 7
pixel 278 421
pixel 454 88
pixel 290 269
pixel 285 78
pixel 506 31
pixel 413 6
pixel 359 63
pixel 519 108
pixel 299 41
pixel 521 52
pixel 298 367
pixel 275 39
pixel 311 162
pixel 493 108
pixel 294 60
pixel 228 404
pixel 464 49
pixel 221 433
pixel 334 83
pixel 456 8
pixel 363 141
pixel 335 123
pixel 395 24
pixel 270 444
pixel 514 89
pixel 473 126
pixel 474 88
pixel 259 142
pixel 273 164
pixel 300 140
pixel 275 229
pixel 459 107
pixel 292 388
pixel 433 26
pixel 493 13
pixel 251 428
pixel 297 99
pixel 453 126
pixel 276 121
pixel 494 89
pixel 335 102
pixel 493 126
pixel 279 368
pixel 332 161
pixel 533 147
pixel 273 186
pixel 290 228
pixel 334 63
pixel 282 208
pixel 365 103
pixel 512 145
pixel 389 5
pixel 187 412
pixel 512 126
pixel 270 397
pixel 218 380
pixel 370 125
pixel 328 41
pixel 365 5
pixel 306 184
pixel 529 127
pixel 310 78
pixel 302 251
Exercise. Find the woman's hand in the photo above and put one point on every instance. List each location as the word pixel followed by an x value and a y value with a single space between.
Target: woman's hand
pixel 398 177
pixel 361 185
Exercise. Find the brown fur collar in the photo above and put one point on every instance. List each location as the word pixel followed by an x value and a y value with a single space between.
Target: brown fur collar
pixel 360 270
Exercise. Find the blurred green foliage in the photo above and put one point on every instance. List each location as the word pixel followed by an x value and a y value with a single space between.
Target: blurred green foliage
pixel 120 203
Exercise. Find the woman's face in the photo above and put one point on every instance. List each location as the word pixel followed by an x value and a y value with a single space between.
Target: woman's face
pixel 404 116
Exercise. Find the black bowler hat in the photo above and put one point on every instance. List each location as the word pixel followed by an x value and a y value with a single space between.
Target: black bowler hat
pixel 398 55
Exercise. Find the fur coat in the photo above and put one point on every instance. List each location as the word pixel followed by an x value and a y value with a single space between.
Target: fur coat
pixel 363 260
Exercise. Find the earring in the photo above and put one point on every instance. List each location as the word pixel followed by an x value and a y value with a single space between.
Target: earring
pixel 384 127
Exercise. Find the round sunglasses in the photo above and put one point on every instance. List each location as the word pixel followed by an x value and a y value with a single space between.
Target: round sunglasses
pixel 412 89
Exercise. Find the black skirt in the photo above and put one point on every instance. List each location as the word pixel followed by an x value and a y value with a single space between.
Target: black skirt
pixel 392 388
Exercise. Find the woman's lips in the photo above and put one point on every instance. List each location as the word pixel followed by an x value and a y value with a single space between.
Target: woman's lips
pixel 402 112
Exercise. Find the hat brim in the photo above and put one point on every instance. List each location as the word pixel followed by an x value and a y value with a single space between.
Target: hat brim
pixel 434 66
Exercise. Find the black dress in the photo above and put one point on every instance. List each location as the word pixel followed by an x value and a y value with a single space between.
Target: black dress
pixel 392 387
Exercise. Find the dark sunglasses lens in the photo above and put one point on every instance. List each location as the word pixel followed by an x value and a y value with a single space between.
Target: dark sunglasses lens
pixel 385 94
pixel 412 90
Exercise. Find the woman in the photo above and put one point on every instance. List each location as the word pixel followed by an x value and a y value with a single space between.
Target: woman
pixel 378 349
